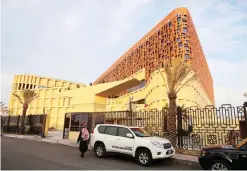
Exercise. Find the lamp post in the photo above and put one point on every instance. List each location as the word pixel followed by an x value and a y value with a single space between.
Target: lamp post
pixel 245 95
pixel 245 114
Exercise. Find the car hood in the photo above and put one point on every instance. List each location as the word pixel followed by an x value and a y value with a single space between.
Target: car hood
pixel 158 139
pixel 219 147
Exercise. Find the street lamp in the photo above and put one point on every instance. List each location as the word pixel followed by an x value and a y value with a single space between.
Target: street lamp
pixel 245 95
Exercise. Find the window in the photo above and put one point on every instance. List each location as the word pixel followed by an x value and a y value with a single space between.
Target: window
pixel 122 132
pixel 184 20
pixel 101 129
pixel 244 147
pixel 77 120
pixel 140 132
pixel 170 24
pixel 19 88
pixel 111 130
pixel 186 56
pixel 179 19
pixel 186 47
pixel 180 44
pixel 178 39
pixel 185 30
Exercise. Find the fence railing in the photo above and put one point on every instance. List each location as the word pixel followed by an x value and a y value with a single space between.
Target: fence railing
pixel 196 127
pixel 33 124
pixel 200 127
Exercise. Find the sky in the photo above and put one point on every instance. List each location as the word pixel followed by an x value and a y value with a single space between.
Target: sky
pixel 78 40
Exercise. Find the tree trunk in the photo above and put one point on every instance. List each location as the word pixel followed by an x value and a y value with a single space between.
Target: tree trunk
pixel 24 112
pixel 172 131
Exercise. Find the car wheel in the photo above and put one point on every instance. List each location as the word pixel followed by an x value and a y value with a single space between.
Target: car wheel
pixel 100 150
pixel 220 165
pixel 144 157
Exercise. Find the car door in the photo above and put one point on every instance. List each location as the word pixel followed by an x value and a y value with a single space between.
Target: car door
pixel 125 144
pixel 110 138
pixel 242 158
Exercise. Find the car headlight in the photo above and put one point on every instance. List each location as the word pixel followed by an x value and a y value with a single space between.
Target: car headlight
pixel 157 144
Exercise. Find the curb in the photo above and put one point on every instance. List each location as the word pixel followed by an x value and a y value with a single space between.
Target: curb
pixel 172 160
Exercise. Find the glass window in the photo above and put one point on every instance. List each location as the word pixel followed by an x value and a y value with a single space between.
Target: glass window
pixel 178 39
pixel 111 130
pixel 180 44
pixel 123 132
pixel 170 24
pixel 185 30
pixel 140 132
pixel 186 56
pixel 179 19
pixel 186 47
pixel 101 129
pixel 184 20
pixel 77 120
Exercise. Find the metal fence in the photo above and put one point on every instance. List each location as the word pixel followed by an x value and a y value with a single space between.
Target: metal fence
pixel 200 127
pixel 33 124
pixel 196 127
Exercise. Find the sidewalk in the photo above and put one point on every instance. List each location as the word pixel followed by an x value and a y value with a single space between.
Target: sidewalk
pixel 56 139
pixel 48 139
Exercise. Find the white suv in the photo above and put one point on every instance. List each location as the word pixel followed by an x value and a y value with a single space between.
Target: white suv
pixel 132 141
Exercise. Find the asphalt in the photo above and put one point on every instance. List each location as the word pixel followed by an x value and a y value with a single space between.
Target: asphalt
pixel 19 154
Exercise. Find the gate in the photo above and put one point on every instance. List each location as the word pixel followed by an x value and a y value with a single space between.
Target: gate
pixel 66 126
pixel 200 127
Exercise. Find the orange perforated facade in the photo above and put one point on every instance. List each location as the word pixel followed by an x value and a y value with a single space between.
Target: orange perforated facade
pixel 174 37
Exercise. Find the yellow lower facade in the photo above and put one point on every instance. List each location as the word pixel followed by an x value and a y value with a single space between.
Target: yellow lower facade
pixel 57 99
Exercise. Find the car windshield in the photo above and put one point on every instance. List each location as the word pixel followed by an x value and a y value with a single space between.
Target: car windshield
pixel 140 132
pixel 241 143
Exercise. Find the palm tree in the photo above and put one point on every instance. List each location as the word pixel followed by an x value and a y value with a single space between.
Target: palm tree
pixel 177 73
pixel 25 98
pixel 4 109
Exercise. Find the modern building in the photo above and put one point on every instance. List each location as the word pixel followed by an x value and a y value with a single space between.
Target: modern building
pixel 174 37
pixel 137 76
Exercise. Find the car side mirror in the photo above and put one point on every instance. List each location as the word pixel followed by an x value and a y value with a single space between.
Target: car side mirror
pixel 129 135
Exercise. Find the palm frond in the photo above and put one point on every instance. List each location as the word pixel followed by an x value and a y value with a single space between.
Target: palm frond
pixel 176 73
pixel 26 96
pixel 18 97
pixel 186 82
pixel 35 96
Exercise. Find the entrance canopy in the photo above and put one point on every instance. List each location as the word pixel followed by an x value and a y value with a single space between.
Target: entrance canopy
pixel 119 88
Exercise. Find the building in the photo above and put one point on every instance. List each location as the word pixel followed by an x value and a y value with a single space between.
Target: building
pixel 174 37
pixel 49 97
pixel 144 82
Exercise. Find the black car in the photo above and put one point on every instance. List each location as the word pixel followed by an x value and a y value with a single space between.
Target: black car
pixel 228 157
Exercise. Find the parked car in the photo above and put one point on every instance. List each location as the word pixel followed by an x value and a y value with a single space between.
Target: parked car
pixel 133 141
pixel 228 157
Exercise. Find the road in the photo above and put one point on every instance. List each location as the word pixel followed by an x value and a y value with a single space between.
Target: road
pixel 26 155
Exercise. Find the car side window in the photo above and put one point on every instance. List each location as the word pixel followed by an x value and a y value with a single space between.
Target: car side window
pixel 122 132
pixel 244 147
pixel 101 129
pixel 111 130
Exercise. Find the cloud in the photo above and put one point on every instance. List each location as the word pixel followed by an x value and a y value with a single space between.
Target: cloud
pixel 78 41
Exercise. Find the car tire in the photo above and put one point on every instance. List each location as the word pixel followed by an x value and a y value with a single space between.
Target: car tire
pixel 219 165
pixel 100 151
pixel 144 157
